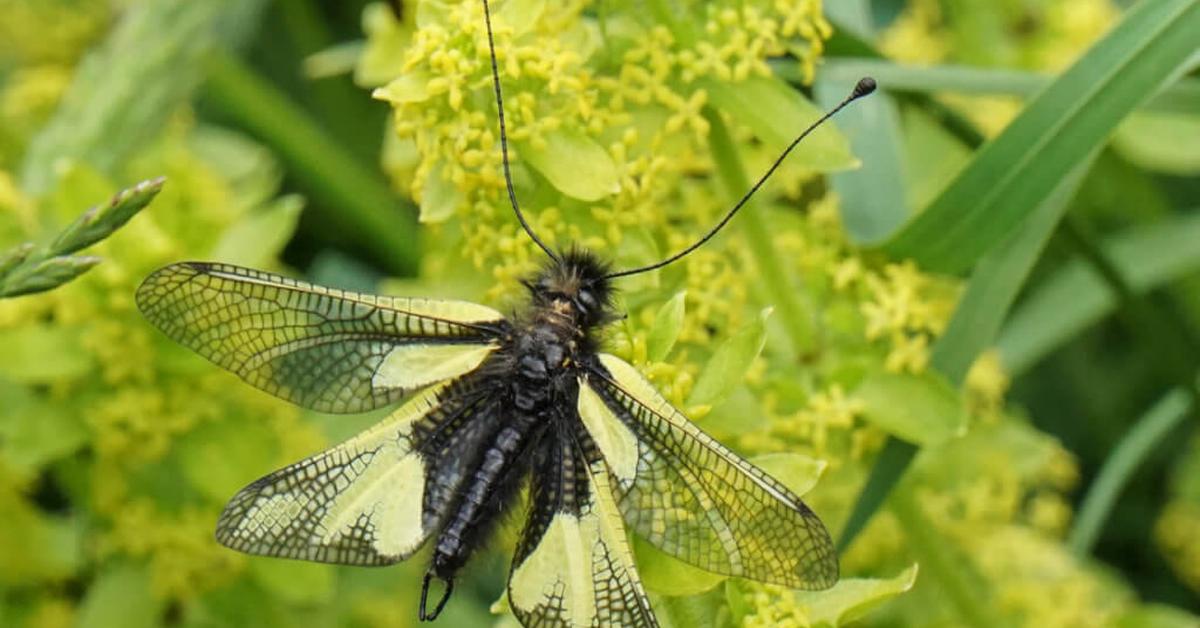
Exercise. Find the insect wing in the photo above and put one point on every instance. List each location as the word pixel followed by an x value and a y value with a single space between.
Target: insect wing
pixel 362 502
pixel 324 349
pixel 573 566
pixel 691 497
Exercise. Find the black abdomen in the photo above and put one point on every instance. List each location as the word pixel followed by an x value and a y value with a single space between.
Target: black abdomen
pixel 534 385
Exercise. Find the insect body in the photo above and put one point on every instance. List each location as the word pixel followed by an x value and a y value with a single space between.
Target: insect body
pixel 491 401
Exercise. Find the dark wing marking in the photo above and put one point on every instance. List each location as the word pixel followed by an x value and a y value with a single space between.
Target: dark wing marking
pixel 363 502
pixel 573 566
pixel 696 500
pixel 325 349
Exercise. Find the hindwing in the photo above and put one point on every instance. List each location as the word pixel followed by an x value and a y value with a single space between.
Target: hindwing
pixel 372 500
pixel 573 566
pixel 321 348
pixel 691 497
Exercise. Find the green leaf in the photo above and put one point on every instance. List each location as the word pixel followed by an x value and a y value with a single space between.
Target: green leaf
pixel 776 114
pixel 852 598
pixel 120 597
pixel 520 15
pixel 706 610
pixel 406 88
pixel 100 222
pixel 257 239
pixel 727 367
pixel 35 547
pixel 932 156
pixel 666 575
pixel 43 354
pixel 37 433
pixel 1014 173
pixel 995 283
pixel 665 330
pixel 1074 297
pixel 798 472
pixel 923 409
pixel 573 163
pixel 346 195
pixel 294 581
pixel 873 197
pixel 1152 141
pixel 440 197
pixel 1126 459
pixel 246 449
pixel 993 286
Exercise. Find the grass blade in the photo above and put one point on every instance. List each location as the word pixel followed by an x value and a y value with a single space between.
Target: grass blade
pixel 995 283
pixel 326 171
pixel 1014 173
pixel 1074 297
pixel 990 293
pixel 1124 461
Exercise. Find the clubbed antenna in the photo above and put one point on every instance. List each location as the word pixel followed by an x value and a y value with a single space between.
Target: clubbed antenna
pixel 512 193
pixel 865 86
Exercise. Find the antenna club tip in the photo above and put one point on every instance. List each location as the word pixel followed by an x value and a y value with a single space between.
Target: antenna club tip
pixel 865 86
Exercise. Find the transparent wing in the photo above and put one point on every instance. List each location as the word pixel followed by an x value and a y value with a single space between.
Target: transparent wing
pixel 690 496
pixel 573 566
pixel 325 349
pixel 367 501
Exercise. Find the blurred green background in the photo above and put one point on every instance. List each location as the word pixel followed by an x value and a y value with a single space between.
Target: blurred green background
pixel 963 318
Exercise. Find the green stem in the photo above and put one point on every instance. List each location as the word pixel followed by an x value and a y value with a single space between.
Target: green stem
pixel 797 317
pixel 1125 459
pixel 350 195
pixel 1181 97
pixel 952 573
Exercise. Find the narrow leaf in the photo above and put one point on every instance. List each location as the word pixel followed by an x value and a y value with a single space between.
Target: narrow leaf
pixel 1133 449
pixel 1015 172
pixel 922 409
pixel 665 330
pixel 727 367
pixel 1074 297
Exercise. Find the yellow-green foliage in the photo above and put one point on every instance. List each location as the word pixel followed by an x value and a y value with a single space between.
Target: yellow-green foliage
pixel 118 449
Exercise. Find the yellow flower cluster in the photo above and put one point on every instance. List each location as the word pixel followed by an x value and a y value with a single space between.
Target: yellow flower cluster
pixel 1176 533
pixel 773 606
pixel 184 561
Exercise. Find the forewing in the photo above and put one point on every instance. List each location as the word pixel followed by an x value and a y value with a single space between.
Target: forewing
pixel 363 502
pixel 325 349
pixel 690 496
pixel 573 566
